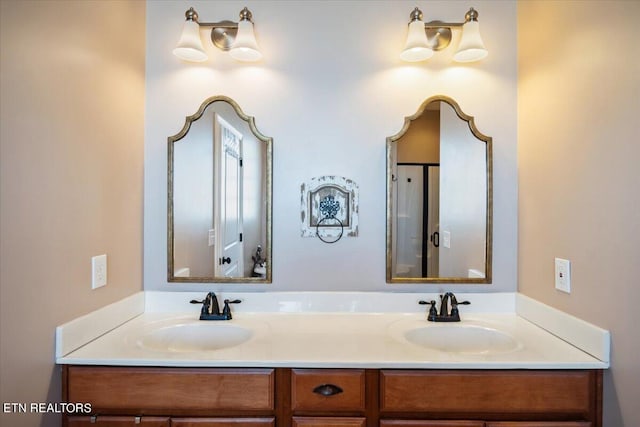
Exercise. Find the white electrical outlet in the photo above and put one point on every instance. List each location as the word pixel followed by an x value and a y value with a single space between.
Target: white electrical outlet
pixel 98 271
pixel 563 275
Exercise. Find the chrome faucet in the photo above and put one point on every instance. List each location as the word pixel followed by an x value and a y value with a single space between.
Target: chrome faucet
pixel 211 310
pixel 445 314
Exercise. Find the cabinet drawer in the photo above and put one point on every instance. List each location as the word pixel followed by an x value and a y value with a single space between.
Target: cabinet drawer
pixel 114 421
pixel 328 422
pixel 478 393
pixel 425 423
pixel 142 390
pixel 328 390
pixel 222 422
pixel 539 424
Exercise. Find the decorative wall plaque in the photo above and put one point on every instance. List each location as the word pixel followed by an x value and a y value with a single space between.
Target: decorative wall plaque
pixel 329 208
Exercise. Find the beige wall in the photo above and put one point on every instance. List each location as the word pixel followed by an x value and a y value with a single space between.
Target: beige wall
pixel 421 143
pixel 579 173
pixel 72 111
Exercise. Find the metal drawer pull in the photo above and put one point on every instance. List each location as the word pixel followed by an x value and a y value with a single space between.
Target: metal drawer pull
pixel 327 390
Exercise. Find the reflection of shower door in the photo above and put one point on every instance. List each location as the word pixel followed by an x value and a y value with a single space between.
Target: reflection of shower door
pixel 418 215
pixel 432 207
pixel 408 261
pixel 229 247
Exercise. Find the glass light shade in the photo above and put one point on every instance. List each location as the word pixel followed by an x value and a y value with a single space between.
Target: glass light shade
pixel 471 47
pixel 417 46
pixel 245 47
pixel 190 47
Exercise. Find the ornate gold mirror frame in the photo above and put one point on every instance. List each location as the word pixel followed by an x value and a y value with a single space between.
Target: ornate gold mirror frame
pixel 489 199
pixel 268 196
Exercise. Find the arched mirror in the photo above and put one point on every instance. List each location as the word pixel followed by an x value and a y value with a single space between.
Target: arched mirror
pixel 439 198
pixel 219 197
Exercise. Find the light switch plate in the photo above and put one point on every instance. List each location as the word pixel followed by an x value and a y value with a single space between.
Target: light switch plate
pixel 211 237
pixel 563 275
pixel 446 239
pixel 98 271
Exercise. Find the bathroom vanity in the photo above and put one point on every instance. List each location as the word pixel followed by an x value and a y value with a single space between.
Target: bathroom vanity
pixel 154 396
pixel 283 361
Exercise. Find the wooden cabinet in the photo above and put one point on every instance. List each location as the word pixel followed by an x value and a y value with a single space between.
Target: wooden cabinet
pixel 539 424
pixel 218 397
pixel 484 395
pixel 328 397
pixel 283 397
pixel 124 421
pixel 223 422
pixel 318 395
pixel 322 390
pixel 500 398
pixel 328 422
pixel 118 421
pixel 426 423
pixel 141 390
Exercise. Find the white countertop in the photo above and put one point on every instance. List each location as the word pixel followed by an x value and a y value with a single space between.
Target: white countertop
pixel 312 339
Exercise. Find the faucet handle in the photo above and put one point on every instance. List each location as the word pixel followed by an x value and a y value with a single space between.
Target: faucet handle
pixel 226 311
pixel 455 303
pixel 205 305
pixel 454 308
pixel 433 312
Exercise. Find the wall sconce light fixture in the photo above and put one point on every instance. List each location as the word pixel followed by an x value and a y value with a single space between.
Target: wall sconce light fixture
pixel 236 37
pixel 425 38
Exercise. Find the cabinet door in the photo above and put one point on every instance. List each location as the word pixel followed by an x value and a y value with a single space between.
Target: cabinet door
pixel 117 421
pixel 222 422
pixel 539 424
pixel 329 422
pixel 425 423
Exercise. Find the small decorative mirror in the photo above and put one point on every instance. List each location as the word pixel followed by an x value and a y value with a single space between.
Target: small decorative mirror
pixel 219 197
pixel 439 198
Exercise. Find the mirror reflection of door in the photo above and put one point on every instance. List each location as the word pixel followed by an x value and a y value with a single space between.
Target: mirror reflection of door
pixel 418 160
pixel 218 189
pixel 439 210
pixel 432 206
pixel 228 215
pixel 418 189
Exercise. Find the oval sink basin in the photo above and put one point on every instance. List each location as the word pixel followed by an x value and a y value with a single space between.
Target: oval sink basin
pixel 462 339
pixel 189 337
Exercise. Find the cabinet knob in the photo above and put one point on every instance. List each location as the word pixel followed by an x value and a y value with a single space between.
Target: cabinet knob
pixel 327 390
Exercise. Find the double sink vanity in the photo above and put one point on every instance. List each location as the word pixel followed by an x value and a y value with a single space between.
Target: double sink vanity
pixel 332 360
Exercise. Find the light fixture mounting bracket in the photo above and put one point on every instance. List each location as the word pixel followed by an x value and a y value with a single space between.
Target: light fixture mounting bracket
pixel 223 34
pixel 438 35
